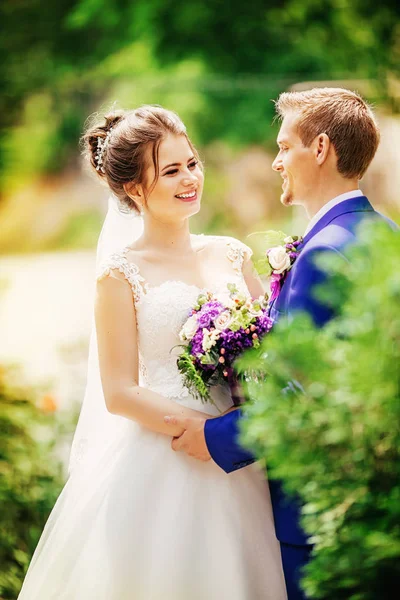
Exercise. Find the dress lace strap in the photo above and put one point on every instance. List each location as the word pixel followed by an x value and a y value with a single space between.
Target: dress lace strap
pixel 238 253
pixel 130 270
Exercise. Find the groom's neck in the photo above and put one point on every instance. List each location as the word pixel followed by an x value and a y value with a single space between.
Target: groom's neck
pixel 328 192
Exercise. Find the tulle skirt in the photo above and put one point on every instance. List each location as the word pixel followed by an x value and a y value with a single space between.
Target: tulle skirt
pixel 146 523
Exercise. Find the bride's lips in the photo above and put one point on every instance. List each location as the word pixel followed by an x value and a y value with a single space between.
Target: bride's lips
pixel 190 198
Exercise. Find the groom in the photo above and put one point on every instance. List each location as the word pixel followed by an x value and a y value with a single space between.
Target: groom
pixel 327 140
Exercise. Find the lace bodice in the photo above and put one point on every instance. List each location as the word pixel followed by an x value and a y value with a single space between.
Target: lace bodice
pixel 161 311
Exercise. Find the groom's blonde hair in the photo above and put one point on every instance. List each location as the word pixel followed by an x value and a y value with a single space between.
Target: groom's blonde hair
pixel 346 119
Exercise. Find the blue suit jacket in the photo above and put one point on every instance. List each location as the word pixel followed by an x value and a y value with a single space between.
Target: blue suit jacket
pixel 332 233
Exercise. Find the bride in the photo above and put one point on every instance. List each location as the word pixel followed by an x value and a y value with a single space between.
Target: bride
pixel 135 520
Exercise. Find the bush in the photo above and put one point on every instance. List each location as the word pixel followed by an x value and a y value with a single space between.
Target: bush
pixel 30 479
pixel 333 434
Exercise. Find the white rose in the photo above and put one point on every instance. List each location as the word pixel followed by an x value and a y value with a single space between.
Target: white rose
pixel 288 240
pixel 189 329
pixel 279 259
pixel 225 300
pixel 223 320
pixel 255 312
pixel 209 339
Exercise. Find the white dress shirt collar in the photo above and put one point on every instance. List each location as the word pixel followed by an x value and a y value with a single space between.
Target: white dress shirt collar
pixel 327 207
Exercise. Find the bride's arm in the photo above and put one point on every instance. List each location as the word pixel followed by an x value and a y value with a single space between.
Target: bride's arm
pixel 118 358
pixel 256 289
pixel 252 279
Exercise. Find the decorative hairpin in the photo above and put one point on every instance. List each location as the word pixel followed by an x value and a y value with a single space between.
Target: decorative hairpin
pixel 102 144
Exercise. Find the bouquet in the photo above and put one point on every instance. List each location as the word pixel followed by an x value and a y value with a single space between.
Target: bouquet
pixel 217 331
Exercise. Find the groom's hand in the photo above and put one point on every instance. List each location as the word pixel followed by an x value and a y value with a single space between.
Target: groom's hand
pixel 192 441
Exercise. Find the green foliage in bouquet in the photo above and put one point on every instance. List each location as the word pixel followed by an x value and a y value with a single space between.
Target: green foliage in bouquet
pixel 327 421
pixel 30 480
pixel 192 378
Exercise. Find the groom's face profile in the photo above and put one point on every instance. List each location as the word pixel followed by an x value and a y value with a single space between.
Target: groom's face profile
pixel 295 162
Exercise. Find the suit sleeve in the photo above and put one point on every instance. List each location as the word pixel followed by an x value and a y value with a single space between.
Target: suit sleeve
pixel 221 436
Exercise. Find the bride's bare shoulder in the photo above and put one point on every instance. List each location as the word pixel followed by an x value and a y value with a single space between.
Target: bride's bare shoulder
pixel 226 242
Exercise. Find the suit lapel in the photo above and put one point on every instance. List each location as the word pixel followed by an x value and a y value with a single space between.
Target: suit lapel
pixel 357 204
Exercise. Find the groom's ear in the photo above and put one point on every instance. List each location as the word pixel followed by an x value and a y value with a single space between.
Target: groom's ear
pixel 322 147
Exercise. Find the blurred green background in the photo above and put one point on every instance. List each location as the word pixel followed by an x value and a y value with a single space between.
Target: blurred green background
pixel 219 65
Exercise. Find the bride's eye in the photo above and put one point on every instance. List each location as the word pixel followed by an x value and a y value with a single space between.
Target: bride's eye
pixel 191 165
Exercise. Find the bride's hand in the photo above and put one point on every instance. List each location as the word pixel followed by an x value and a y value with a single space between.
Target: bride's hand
pixel 192 441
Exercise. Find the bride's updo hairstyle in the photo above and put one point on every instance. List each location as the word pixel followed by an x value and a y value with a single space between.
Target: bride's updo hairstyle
pixel 119 148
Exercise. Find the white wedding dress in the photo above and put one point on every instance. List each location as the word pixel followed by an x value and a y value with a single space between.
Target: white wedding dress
pixel 144 522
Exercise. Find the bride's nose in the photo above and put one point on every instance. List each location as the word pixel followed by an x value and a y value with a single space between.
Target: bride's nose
pixel 189 179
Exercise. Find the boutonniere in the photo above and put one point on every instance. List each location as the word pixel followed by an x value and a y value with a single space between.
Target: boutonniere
pixel 280 255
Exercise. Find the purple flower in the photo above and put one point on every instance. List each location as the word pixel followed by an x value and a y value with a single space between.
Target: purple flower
pixel 209 312
pixel 264 324
pixel 234 343
pixel 197 343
